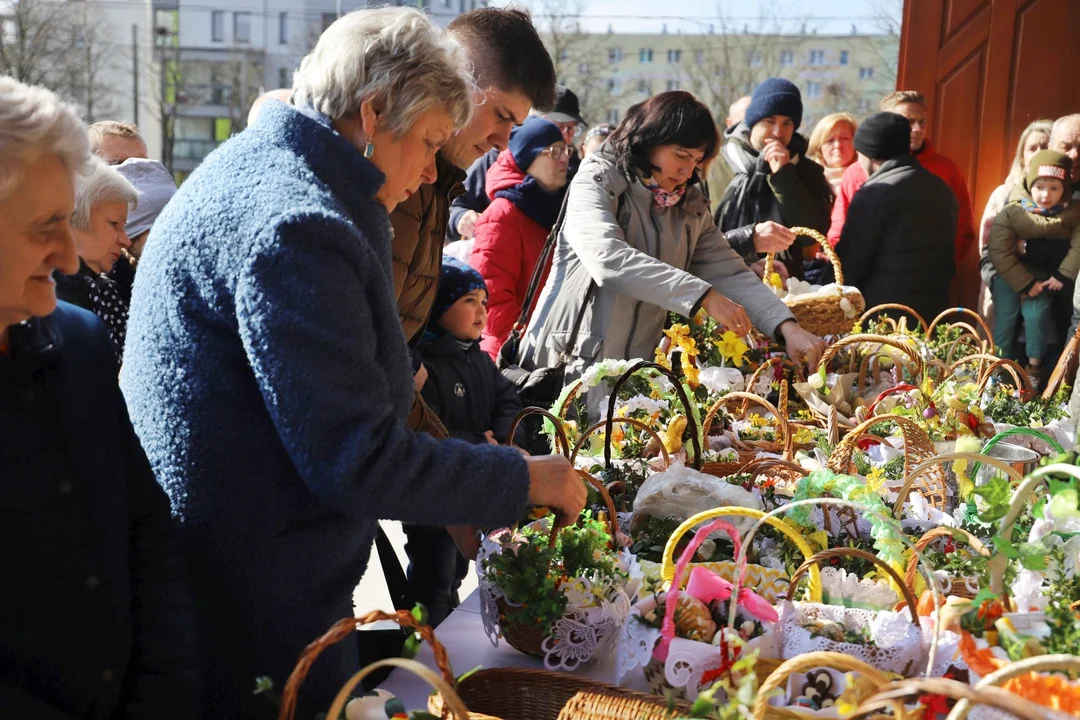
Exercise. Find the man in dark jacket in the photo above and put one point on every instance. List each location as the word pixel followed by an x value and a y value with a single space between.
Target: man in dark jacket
pixel 773 178
pixel 897 245
pixel 475 402
pixel 467 207
pixel 515 72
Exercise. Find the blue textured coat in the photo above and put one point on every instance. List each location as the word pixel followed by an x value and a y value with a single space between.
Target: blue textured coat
pixel 269 381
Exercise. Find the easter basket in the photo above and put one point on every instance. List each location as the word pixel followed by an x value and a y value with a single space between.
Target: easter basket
pixel 591 621
pixel 682 665
pixel 832 310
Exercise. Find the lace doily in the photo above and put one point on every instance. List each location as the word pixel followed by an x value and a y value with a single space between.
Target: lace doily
pixel 898 643
pixel 589 627
pixel 840 587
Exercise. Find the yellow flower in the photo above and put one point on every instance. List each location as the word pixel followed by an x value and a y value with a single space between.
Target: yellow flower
pixel 731 347
pixel 758 421
pixel 662 359
pixel 673 434
pixel 856 689
pixel 819 539
pixel 875 480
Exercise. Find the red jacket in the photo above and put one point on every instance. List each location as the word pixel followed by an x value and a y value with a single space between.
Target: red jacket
pixel 508 246
pixel 935 162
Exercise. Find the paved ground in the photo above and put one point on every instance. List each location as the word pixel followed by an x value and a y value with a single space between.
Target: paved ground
pixel 371 594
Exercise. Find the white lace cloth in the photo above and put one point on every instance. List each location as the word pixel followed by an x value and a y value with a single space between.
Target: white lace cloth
pixel 839 587
pixel 589 628
pixel 898 643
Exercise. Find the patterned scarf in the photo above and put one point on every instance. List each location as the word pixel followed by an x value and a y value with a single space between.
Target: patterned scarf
pixel 662 197
pixel 109 306
pixel 1031 207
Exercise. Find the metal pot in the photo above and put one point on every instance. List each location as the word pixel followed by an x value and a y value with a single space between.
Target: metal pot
pixel 1022 459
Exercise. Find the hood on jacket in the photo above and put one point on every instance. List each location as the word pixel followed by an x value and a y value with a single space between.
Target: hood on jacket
pixel 504 174
pixel 743 158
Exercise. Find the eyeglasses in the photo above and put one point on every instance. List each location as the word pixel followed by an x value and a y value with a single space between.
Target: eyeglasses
pixel 600 131
pixel 557 151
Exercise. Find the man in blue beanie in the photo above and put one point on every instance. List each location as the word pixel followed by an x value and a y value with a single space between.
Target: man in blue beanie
pixel 773 180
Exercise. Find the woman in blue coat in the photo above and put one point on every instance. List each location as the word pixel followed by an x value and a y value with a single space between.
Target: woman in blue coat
pixel 266 370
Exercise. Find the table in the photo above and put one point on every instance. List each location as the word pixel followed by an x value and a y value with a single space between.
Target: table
pixel 463 635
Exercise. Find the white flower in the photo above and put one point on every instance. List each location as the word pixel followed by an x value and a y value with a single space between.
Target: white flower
pixel 604 369
pixel 718 379
pixel 1027 590
pixel 638 402
pixel 763 385
pixel 815 381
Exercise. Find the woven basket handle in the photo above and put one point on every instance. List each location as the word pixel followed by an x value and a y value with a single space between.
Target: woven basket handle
pixel 761 465
pixel 607 439
pixel 826 248
pixel 833 350
pixel 344 628
pixel 1042 663
pixel 960 311
pixel 914 436
pixel 782 360
pixel 974 458
pixel 831 553
pixel 1017 373
pixel 560 430
pixel 613 526
pixel 446 690
pixel 914 688
pixel 667 565
pixel 929 537
pixel 691 425
pixel 808 661
pixel 878 309
pixel 781 421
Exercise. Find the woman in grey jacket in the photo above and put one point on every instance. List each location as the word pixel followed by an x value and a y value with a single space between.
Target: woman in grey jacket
pixel 639 241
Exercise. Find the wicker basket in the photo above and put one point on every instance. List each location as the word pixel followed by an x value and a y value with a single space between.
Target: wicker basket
pixel 934 487
pixel 527 639
pixel 776 681
pixel 892 694
pixel 1012 676
pixel 878 309
pixel 987 335
pixel 822 315
pixel 748 449
pixel 959 586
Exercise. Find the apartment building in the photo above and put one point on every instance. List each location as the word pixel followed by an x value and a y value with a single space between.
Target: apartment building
pixel 611 71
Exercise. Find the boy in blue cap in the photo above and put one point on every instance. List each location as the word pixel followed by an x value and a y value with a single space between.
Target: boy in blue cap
pixel 476 404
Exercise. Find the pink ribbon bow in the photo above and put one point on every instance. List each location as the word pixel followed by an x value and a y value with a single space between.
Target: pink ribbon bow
pixel 706 586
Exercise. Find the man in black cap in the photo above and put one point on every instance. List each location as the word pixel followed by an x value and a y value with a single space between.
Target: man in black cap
pixel 897 245
pixel 466 209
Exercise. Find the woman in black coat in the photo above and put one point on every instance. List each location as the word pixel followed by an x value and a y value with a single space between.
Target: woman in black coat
pixel 95 615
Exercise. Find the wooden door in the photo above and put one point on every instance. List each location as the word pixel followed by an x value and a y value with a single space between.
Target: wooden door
pixel 987 69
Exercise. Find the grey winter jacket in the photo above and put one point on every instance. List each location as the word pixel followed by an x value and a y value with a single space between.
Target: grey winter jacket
pixel 644 261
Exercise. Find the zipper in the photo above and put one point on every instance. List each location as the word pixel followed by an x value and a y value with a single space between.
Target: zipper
pixel 637 306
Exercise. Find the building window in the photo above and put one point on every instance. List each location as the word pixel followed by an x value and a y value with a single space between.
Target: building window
pixel 672 85
pixel 242 27
pixel 787 57
pixel 817 57
pixel 614 55
pixel 564 55
pixel 866 73
pixel 674 56
pixel 813 90
pixel 645 55
pixel 217 26
pixel 283 79
pixel 643 86
pixel 699 57
pixel 755 59
pixel 614 86
pixel 328 20
pixel 583 68
pixel 613 116
pixel 843 57
pixel 283 27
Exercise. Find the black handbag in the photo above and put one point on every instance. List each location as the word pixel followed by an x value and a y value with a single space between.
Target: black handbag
pixel 539 387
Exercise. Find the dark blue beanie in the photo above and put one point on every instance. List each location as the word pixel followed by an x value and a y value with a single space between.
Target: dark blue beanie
pixel 775 96
pixel 530 138
pixel 455 281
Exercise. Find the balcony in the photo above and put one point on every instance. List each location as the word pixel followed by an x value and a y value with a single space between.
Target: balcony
pixel 193 150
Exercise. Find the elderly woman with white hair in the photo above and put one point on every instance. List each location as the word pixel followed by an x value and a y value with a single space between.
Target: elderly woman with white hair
pixel 95 616
pixel 103 199
pixel 267 373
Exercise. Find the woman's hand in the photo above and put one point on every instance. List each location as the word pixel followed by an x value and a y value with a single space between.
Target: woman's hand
pixel 553 483
pixel 466 225
pixel 729 315
pixel 1053 284
pixel 1035 290
pixel 772 237
pixel 802 345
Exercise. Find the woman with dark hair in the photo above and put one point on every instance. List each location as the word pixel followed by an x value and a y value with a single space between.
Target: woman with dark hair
pixel 638 241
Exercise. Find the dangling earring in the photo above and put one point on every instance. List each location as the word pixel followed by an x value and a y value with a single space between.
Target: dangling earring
pixel 369 150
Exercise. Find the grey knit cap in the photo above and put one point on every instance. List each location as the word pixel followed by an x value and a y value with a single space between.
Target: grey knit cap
pixel 156 187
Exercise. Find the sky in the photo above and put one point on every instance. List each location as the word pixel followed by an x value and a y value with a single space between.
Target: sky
pixel 695 16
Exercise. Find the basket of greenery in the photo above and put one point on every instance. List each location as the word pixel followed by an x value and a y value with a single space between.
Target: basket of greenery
pixel 560 595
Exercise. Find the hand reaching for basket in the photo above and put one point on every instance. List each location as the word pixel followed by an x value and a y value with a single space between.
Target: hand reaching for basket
pixel 728 314
pixel 772 237
pixel 554 484
pixel 801 345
